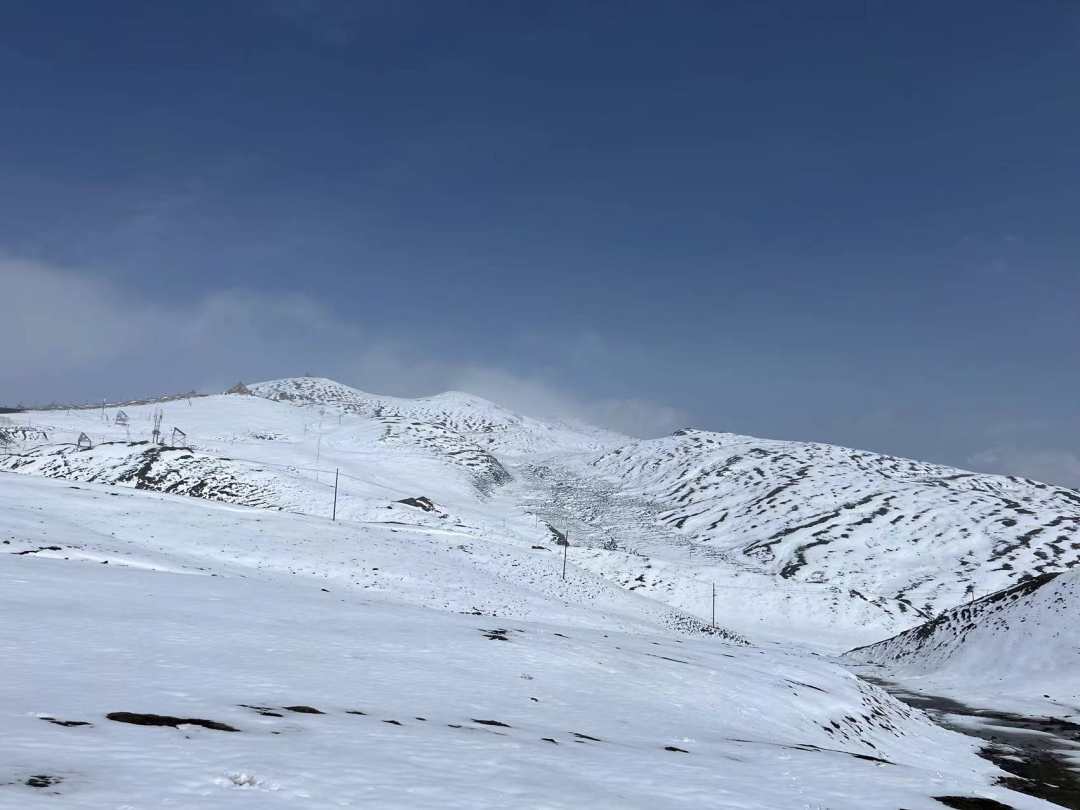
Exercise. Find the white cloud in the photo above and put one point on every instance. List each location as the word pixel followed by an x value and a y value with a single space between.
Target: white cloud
pixel 536 397
pixel 57 318
pixel 73 337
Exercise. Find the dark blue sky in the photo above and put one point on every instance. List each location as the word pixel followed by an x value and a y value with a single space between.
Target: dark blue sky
pixel 855 222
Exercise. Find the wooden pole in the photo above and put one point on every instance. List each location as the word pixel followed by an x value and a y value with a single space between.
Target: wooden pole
pixel 334 515
pixel 713 625
pixel 566 545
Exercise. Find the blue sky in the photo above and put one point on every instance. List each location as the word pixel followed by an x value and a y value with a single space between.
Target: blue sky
pixel 855 222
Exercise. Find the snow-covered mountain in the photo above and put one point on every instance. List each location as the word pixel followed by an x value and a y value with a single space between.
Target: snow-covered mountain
pixel 478 420
pixel 909 537
pixel 429 631
pixel 1021 641
pixel 799 540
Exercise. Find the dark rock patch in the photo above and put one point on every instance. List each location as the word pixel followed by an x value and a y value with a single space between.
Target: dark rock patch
pixel 676 749
pixel 265 711
pixel 807 685
pixel 166 720
pixel 303 709
pixel 491 723
pixel 66 723
pixel 665 658
pixel 972 803
pixel 869 758
pixel 42 780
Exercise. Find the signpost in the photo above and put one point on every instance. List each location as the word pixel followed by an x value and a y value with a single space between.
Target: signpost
pixel 333 515
pixel 713 625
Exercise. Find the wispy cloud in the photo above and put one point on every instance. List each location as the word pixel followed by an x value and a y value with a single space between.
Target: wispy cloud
pixel 76 337
pixel 536 396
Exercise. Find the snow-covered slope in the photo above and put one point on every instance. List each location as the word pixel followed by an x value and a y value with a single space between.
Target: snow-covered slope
pixel 807 542
pixel 159 650
pixel 1021 641
pixel 909 538
pixel 477 420
pixel 436 600
pixel 144 465
pixel 245 449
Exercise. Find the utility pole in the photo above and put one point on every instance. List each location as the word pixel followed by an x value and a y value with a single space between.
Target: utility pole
pixel 713 625
pixel 566 545
pixel 333 515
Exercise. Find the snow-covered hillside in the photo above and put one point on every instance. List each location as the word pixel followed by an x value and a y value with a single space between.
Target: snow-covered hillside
pixel 909 538
pixel 478 420
pixel 807 542
pixel 425 650
pixel 1023 641
pixel 159 650
pixel 144 465
pixel 248 450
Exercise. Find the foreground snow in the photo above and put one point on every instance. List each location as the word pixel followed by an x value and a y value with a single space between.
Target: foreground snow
pixel 448 672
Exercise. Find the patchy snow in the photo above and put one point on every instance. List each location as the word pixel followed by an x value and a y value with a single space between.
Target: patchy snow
pixel 906 538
